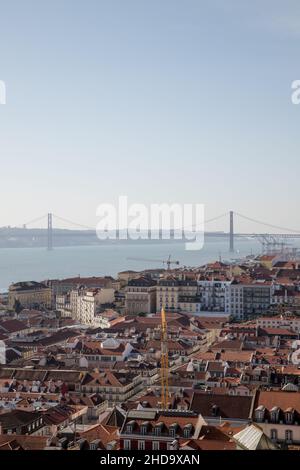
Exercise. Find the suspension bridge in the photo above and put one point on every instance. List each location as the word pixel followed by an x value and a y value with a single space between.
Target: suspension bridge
pixel 50 232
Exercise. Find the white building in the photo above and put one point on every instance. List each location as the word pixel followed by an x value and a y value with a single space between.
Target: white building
pixel 213 293
pixel 81 304
pixel 288 322
pixel 234 300
pixel 86 307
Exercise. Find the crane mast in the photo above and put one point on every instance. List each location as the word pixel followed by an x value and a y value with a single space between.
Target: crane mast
pixel 164 366
pixel 167 261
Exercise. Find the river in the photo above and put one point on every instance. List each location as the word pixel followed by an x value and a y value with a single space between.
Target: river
pixel 20 264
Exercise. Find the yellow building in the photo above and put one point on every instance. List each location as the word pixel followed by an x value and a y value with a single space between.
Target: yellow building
pixel 30 294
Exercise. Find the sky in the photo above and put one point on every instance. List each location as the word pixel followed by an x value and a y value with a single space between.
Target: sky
pixel 164 101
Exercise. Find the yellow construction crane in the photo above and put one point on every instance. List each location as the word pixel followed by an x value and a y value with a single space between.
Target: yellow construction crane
pixel 164 363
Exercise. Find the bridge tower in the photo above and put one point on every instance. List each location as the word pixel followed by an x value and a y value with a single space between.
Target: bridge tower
pixel 49 233
pixel 231 232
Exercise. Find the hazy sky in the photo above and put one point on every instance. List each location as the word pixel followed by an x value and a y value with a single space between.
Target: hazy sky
pixel 159 100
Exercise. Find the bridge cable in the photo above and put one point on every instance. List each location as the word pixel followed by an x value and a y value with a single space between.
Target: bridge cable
pixel 208 220
pixel 266 224
pixel 37 219
pixel 70 222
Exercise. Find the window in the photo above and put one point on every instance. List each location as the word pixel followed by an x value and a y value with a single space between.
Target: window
pixel 127 445
pixel 143 429
pixel 288 435
pixel 214 410
pixel 274 434
pixel 187 431
pixel 155 445
pixel 259 414
pixel 141 445
pixel 274 417
pixel 274 414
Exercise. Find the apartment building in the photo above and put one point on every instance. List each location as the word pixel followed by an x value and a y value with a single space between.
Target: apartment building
pixel 107 351
pixel 86 307
pixel 21 422
pixel 140 296
pixel 173 295
pixel 213 294
pixel 278 414
pixel 82 304
pixel 30 294
pixel 281 321
pixel 247 299
pixel 115 387
pixel 158 430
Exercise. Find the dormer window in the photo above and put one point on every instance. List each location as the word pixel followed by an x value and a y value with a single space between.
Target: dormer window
pixel 274 414
pixel 129 427
pixel 187 430
pixel 94 445
pixel 172 429
pixel 158 429
pixel 144 428
pixel 289 416
pixel 260 414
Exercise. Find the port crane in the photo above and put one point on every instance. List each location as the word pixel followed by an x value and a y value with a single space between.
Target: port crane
pixel 164 363
pixel 168 261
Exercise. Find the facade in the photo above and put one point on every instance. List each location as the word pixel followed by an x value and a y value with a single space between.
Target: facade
pixel 173 294
pixel 86 307
pixel 158 430
pixel 115 387
pixel 291 322
pixel 140 296
pixel 257 299
pixel 21 422
pixel 234 301
pixel 249 299
pixel 81 304
pixel 106 351
pixel 278 414
pixel 213 293
pixel 107 318
pixel 30 294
